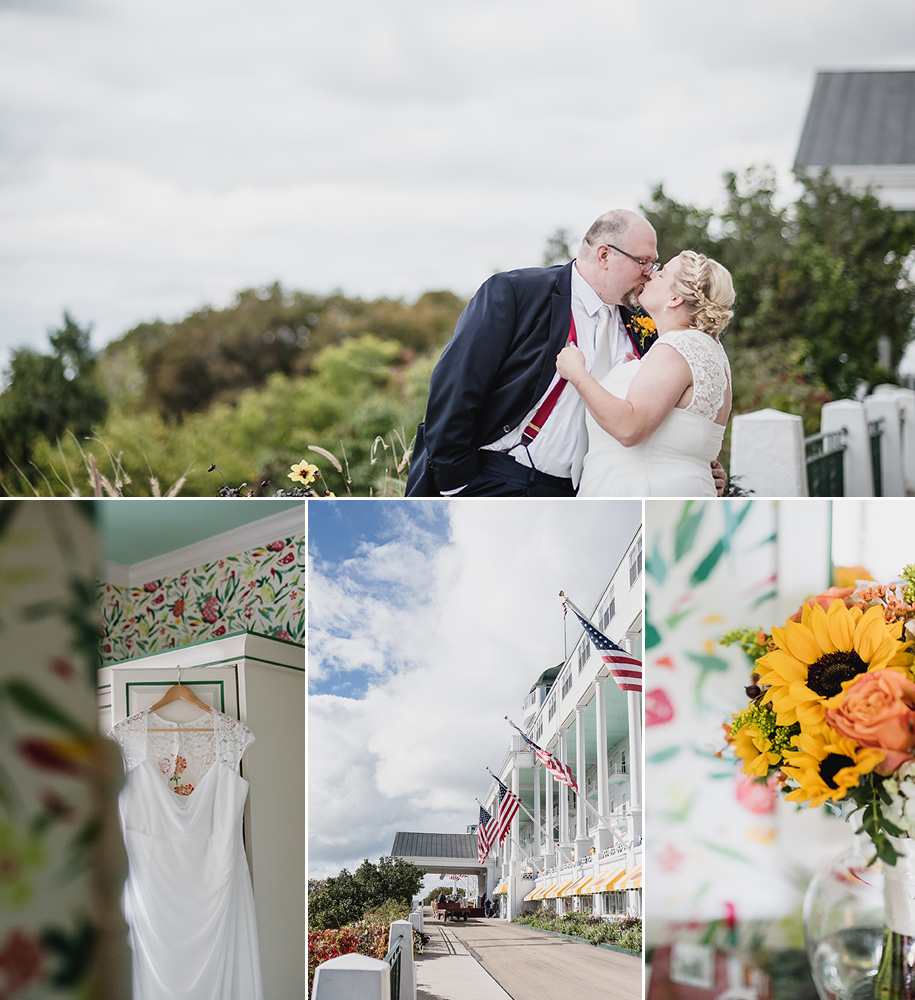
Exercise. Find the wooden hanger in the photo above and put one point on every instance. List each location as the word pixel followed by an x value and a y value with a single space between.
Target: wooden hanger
pixel 180 692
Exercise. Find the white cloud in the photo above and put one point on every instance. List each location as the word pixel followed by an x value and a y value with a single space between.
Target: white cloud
pixel 483 621
pixel 155 159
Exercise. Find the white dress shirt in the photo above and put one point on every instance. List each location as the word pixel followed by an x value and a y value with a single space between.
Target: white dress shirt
pixel 553 450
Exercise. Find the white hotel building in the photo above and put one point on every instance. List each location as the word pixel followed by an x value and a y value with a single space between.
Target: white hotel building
pixel 560 854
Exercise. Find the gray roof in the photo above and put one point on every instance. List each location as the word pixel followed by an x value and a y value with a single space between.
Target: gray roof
pixel 434 845
pixel 860 118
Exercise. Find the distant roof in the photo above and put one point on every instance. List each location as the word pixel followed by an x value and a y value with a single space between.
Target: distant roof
pixel 435 845
pixel 548 676
pixel 860 118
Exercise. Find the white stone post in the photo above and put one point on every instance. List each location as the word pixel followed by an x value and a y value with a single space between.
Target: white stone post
pixel 564 843
pixel 402 931
pixel 768 454
pixel 352 977
pixel 850 415
pixel 886 408
pixel 905 400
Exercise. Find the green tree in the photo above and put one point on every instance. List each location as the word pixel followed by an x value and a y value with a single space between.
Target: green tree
pixel 49 394
pixel 558 247
pixel 828 277
pixel 345 898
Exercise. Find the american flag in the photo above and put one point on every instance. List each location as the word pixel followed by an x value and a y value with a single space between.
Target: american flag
pixel 509 804
pixel 625 668
pixel 484 841
pixel 553 764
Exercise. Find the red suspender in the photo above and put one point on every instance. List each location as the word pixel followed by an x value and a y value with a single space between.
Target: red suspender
pixel 546 407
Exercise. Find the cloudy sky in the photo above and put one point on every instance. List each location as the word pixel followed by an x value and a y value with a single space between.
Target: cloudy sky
pixel 158 157
pixel 421 614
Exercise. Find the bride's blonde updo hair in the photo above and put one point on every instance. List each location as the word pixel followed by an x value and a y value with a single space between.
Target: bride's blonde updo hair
pixel 707 291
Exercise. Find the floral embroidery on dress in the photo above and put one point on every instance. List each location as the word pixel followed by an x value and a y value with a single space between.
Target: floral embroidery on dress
pixel 183 789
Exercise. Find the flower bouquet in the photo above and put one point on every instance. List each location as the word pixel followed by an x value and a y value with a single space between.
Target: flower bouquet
pixel 831 722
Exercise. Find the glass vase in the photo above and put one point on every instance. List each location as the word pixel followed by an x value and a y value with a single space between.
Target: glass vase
pixel 859 925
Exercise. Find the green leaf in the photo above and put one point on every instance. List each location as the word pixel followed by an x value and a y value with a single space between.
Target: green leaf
pixel 728 852
pixel 34 703
pixel 686 529
pixel 702 572
pixel 655 565
pixel 662 755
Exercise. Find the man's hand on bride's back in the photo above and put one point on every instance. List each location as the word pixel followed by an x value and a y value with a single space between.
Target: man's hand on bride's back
pixel 570 363
pixel 720 477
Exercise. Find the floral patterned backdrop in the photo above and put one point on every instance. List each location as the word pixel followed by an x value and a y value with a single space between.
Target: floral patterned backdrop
pixel 259 590
pixel 61 857
pixel 719 848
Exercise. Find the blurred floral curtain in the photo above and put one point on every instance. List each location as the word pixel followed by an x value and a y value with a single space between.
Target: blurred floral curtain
pixel 61 860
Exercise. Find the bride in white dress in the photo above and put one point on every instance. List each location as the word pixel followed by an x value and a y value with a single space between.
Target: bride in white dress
pixel 655 425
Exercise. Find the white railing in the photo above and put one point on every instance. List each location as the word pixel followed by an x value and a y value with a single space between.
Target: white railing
pixel 768 454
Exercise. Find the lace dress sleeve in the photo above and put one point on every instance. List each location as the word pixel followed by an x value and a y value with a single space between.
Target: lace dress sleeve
pixel 130 736
pixel 709 366
pixel 234 739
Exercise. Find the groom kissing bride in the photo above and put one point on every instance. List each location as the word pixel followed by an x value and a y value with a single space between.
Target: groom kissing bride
pixel 545 390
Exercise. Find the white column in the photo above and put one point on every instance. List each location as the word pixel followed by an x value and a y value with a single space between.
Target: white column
pixel 768 454
pixel 537 847
pixel 549 848
pixel 564 842
pixel 886 407
pixel 602 839
pixel 851 416
pixel 582 841
pixel 634 705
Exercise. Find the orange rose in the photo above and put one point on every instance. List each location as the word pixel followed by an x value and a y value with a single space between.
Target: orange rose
pixel 825 599
pixel 878 711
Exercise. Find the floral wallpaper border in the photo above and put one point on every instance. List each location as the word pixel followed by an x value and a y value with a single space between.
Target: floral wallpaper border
pixel 258 590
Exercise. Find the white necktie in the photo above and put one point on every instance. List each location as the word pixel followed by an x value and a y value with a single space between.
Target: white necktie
pixel 601 364
pixel 599 368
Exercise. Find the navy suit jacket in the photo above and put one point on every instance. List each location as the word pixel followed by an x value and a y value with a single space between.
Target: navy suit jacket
pixel 496 367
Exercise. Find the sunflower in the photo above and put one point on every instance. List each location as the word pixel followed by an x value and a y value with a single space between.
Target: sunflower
pixel 755 750
pixel 826 765
pixel 815 656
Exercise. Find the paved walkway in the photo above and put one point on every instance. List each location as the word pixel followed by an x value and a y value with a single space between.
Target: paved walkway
pixel 517 963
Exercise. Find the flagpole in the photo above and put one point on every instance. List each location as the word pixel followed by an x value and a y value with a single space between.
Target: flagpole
pixel 600 819
pixel 530 857
pixel 542 827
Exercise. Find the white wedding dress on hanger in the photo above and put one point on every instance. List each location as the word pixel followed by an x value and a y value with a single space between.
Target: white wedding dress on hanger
pixel 675 460
pixel 188 898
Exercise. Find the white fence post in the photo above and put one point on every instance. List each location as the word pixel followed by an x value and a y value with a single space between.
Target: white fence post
pixel 402 930
pixel 352 977
pixel 851 416
pixel 885 406
pixel 905 400
pixel 768 454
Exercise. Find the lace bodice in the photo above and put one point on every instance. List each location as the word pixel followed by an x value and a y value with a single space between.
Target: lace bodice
pixel 182 752
pixel 709 366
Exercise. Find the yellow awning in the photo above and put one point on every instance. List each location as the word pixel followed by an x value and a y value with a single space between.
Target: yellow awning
pixel 560 889
pixel 501 888
pixel 571 889
pixel 584 888
pixel 532 895
pixel 608 880
pixel 544 889
pixel 634 878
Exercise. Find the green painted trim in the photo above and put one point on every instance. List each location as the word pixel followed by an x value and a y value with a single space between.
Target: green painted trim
pixel 203 642
pixel 830 569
